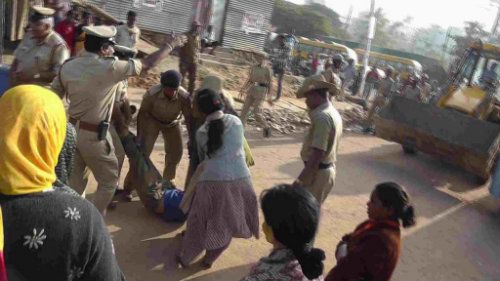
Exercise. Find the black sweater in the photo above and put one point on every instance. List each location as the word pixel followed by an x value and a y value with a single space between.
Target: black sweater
pixel 56 236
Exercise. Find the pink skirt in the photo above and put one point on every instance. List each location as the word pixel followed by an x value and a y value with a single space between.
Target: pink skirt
pixel 220 211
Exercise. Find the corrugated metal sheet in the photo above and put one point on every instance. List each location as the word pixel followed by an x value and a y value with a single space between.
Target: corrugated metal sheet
pixel 234 36
pixel 175 15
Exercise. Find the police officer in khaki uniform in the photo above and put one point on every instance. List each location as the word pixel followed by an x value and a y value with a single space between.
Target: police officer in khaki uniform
pixel 319 150
pixel 189 56
pixel 332 76
pixel 161 110
pixel 41 53
pixel 90 81
pixel 383 95
pixel 257 89
pixel 122 102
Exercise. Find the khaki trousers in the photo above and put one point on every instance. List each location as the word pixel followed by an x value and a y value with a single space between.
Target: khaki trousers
pixel 98 157
pixel 172 138
pixel 322 184
pixel 377 104
pixel 119 151
pixel 254 99
pixel 189 70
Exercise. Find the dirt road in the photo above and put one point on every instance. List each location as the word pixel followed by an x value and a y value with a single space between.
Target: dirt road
pixel 456 237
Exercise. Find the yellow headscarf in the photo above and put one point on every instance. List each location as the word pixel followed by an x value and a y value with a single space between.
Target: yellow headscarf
pixel 32 133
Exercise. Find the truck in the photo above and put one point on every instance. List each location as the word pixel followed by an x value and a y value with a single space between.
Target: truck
pixel 463 126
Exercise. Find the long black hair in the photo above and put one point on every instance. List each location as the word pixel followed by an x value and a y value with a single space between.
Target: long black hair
pixel 392 195
pixel 208 103
pixel 293 215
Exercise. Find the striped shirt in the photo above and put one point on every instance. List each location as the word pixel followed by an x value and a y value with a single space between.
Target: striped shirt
pixel 281 57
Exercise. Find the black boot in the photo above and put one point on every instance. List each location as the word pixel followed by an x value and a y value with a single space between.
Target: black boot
pixel 267 132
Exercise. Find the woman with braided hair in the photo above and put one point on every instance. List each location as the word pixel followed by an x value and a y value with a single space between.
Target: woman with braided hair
pixel 291 221
pixel 224 204
pixel 372 251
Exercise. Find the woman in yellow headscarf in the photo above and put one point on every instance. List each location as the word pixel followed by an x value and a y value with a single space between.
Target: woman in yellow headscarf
pixel 43 227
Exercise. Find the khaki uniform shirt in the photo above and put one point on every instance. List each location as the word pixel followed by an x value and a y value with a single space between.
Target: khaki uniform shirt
pixel 333 78
pixel 43 59
pixel 90 83
pixel 190 53
pixel 163 109
pixel 128 37
pixel 260 75
pixel 324 133
pixel 121 91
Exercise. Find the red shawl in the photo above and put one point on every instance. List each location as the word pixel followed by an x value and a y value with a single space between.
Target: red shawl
pixel 373 252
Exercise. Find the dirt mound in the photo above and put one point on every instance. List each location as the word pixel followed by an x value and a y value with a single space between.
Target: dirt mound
pixel 233 75
pixel 352 117
pixel 284 121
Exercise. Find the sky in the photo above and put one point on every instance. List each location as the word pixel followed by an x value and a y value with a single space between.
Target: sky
pixel 425 12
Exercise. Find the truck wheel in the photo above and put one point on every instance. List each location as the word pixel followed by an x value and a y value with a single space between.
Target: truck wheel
pixel 409 149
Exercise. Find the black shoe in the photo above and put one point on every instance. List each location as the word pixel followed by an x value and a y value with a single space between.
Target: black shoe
pixel 267 132
pixel 119 191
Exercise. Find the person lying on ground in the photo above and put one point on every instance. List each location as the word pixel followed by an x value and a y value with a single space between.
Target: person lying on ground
pixel 372 251
pixel 291 221
pixel 154 192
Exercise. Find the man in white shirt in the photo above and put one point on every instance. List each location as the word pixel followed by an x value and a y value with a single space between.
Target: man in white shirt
pixel 348 75
pixel 128 35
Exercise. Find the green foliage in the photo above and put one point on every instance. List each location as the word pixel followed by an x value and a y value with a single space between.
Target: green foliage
pixel 306 20
pixel 473 31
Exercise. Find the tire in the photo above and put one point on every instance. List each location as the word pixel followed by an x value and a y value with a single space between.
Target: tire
pixel 409 149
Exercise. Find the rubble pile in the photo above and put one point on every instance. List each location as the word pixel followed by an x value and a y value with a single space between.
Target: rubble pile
pixel 234 77
pixel 284 121
pixel 144 81
pixel 352 117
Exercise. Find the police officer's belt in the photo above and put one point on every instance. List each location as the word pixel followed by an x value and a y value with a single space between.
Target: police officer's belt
pixel 166 124
pixel 84 125
pixel 322 166
pixel 262 85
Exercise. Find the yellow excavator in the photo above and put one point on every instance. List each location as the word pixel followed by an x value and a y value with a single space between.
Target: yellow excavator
pixel 463 126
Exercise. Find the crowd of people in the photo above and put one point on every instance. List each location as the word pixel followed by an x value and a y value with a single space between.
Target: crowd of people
pixel 47 158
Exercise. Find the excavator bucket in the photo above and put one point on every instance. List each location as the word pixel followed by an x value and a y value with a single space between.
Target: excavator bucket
pixel 447 134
